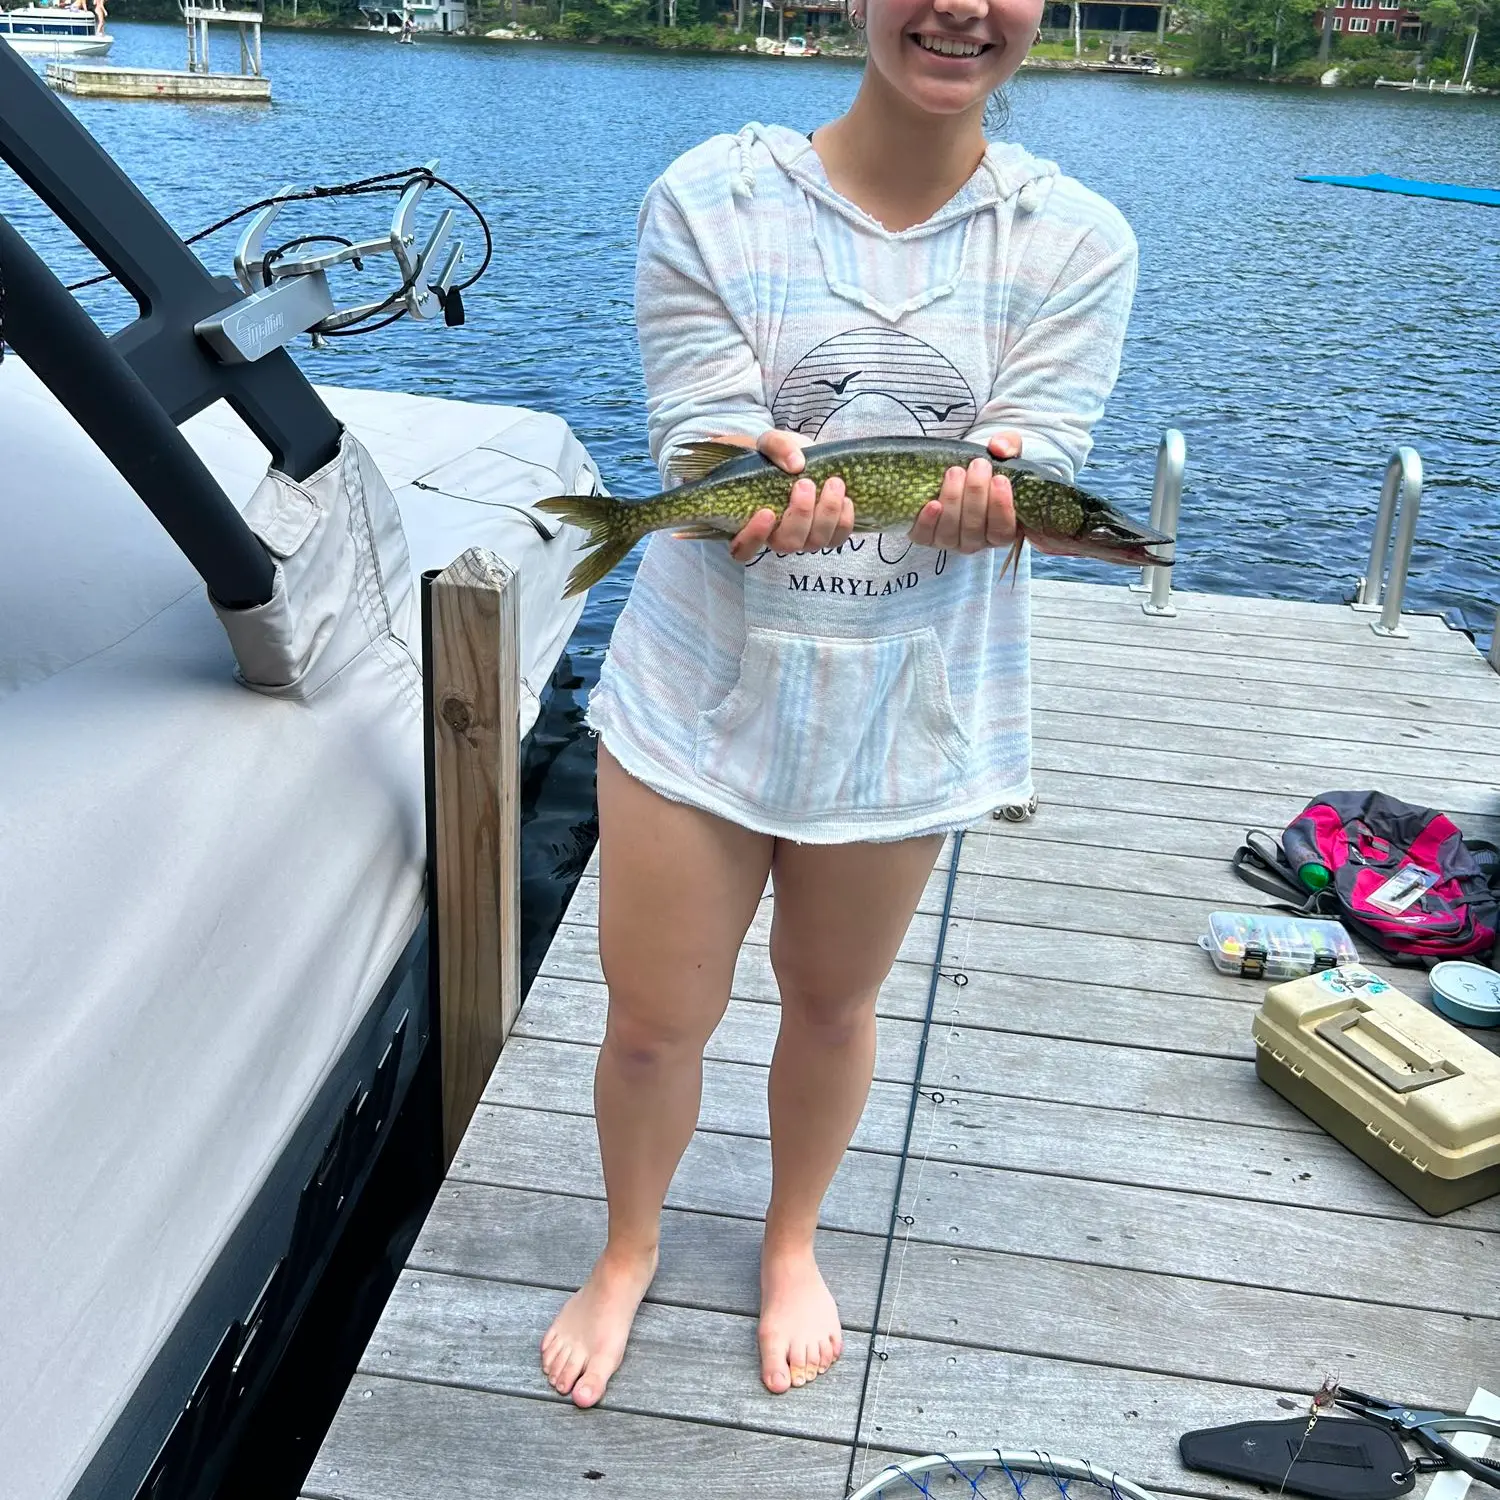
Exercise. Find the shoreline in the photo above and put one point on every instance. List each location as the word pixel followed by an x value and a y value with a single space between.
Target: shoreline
pixel 841 52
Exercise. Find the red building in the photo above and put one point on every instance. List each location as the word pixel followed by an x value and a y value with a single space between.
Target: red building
pixel 1389 17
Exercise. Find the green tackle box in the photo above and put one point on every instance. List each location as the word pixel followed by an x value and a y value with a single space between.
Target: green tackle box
pixel 1398 1085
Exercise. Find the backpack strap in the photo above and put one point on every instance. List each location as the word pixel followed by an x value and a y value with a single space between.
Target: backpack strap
pixel 1259 862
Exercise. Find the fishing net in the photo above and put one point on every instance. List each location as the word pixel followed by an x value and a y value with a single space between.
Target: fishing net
pixel 1000 1474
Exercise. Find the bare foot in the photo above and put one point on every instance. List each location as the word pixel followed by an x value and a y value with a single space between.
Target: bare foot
pixel 800 1335
pixel 586 1342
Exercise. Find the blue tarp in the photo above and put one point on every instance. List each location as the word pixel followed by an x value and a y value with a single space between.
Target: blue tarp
pixel 1378 182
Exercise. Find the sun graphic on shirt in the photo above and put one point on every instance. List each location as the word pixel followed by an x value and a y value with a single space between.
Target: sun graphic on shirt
pixel 874 380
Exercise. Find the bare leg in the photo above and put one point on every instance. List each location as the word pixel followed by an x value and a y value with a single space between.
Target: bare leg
pixel 841 914
pixel 677 891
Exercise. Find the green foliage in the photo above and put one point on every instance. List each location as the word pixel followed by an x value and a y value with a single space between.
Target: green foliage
pixel 1243 37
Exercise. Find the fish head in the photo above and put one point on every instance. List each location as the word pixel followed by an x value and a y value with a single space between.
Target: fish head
pixel 1066 522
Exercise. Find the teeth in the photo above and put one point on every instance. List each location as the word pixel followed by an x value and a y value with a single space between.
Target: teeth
pixel 948 47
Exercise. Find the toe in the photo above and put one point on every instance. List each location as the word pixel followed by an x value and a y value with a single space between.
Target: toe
pixel 589 1390
pixel 553 1356
pixel 825 1355
pixel 569 1371
pixel 774 1373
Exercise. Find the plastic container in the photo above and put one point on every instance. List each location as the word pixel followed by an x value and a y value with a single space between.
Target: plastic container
pixel 1400 1087
pixel 1275 945
pixel 1465 992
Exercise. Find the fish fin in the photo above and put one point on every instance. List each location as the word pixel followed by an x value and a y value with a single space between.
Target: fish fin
pixel 697 460
pixel 602 560
pixel 612 532
pixel 1012 563
pixel 701 531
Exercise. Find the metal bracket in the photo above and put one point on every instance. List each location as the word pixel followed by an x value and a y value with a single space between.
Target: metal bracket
pixel 292 297
pixel 1403 478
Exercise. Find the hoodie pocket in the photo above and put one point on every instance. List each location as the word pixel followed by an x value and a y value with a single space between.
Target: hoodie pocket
pixel 820 725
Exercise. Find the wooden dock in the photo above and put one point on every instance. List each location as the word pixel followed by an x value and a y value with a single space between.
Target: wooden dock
pixel 1116 1233
pixel 104 80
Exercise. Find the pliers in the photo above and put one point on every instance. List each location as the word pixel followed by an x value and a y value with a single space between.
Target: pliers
pixel 1427 1428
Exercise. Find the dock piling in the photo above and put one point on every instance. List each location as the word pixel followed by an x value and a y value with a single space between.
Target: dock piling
pixel 472 672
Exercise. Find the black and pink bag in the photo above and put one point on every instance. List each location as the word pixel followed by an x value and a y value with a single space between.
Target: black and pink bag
pixel 1403 878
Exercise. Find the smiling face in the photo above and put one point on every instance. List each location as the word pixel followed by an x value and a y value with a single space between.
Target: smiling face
pixel 947 56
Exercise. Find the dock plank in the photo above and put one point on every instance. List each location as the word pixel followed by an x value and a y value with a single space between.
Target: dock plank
pixel 1274 1246
pixel 1382 707
pixel 988 1299
pixel 721 1174
pixel 1283 745
pixel 543 1239
pixel 1365 722
pixel 572 1010
pixel 485 1335
pixel 927 1397
pixel 446 1442
pixel 1205 1330
pixel 1260 677
pixel 1220 639
pixel 1298 619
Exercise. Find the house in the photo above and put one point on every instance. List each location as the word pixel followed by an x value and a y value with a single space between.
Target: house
pixel 1389 17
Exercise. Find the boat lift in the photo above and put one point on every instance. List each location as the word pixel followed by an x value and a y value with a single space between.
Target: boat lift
pixel 199 338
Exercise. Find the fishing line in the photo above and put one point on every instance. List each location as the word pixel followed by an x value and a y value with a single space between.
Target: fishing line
pixel 875 1355
pixel 959 977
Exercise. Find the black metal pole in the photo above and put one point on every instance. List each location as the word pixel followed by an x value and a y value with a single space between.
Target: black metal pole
pixel 51 151
pixel 67 350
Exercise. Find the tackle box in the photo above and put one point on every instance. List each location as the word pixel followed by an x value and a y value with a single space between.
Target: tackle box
pixel 1398 1085
pixel 1273 945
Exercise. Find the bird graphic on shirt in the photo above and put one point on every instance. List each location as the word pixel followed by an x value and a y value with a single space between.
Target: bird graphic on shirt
pixel 905 385
pixel 837 386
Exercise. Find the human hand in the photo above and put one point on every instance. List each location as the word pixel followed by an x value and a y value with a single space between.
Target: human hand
pixel 810 521
pixel 974 508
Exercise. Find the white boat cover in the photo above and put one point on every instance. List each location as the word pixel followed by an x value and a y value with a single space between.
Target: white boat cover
pixel 203 887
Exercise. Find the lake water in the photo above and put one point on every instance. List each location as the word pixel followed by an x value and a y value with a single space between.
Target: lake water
pixel 1294 333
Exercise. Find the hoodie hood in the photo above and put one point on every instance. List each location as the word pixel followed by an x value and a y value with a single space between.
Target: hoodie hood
pixel 853 247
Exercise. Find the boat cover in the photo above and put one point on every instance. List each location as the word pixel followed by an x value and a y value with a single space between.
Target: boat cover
pixel 204 887
pixel 1379 182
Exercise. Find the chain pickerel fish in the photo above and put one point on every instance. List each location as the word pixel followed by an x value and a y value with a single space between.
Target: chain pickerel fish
pixel 888 479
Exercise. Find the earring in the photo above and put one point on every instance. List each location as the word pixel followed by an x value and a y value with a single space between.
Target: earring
pixel 856 18
pixel 1037 37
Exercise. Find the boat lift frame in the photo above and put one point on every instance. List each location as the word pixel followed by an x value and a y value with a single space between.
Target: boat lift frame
pixel 130 390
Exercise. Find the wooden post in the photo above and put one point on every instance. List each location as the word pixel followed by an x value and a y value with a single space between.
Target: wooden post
pixel 473 668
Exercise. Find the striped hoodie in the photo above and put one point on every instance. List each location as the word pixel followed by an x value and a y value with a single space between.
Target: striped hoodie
pixel 878 690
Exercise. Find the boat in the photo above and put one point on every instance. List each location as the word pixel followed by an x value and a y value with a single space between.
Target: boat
pixel 218 996
pixel 56 31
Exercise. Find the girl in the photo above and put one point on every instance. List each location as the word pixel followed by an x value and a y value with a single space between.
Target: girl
pixel 808 705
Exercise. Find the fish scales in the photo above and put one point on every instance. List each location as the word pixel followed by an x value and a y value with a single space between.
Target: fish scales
pixel 888 480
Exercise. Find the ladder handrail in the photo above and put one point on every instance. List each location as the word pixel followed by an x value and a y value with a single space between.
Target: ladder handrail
pixel 1377 589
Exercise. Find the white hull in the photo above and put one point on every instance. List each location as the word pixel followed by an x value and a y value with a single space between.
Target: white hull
pixel 60 46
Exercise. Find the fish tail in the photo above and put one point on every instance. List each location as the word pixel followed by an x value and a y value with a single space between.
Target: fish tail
pixel 611 534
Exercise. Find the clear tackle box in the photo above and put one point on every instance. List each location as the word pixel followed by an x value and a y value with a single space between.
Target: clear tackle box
pixel 1275 945
pixel 1406 1091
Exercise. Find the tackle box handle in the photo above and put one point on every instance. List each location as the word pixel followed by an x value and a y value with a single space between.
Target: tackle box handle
pixel 1424 1069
